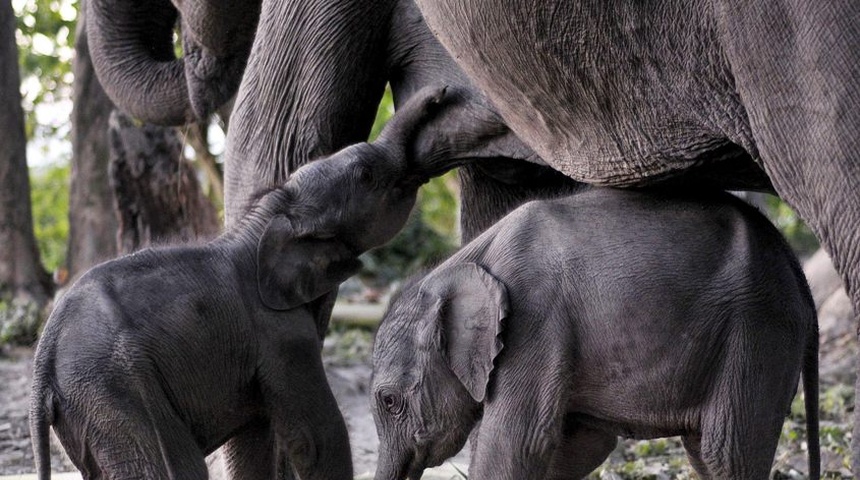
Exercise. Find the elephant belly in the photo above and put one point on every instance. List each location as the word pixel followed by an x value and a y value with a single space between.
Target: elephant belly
pixel 636 384
pixel 617 93
pixel 641 404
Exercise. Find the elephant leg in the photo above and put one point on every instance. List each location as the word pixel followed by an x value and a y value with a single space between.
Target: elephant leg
pixel 520 430
pixel 160 448
pixel 250 455
pixel 304 412
pixel 582 449
pixel 505 452
pixel 739 453
pixel 693 446
pixel 492 188
pixel 797 69
pixel 742 421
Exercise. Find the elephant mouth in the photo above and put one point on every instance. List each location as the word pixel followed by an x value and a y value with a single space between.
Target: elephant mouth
pixel 416 465
pixel 415 473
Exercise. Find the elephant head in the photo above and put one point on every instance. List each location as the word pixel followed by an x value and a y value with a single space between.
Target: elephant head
pixel 134 57
pixel 333 209
pixel 432 360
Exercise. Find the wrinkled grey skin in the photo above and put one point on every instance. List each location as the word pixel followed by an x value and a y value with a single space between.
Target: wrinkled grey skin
pixel 131 43
pixel 622 93
pixel 313 81
pixel 323 64
pixel 603 314
pixel 154 360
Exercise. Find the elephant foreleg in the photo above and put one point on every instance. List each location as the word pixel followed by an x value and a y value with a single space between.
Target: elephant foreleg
pixel 305 415
pixel 582 449
pixel 250 455
pixel 492 188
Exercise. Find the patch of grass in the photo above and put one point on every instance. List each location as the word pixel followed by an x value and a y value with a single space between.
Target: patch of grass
pixel 836 402
pixel 19 322
pixel 345 345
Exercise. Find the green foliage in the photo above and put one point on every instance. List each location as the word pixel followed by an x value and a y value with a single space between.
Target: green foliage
pixel 416 245
pixel 799 236
pixel 836 402
pixel 383 113
pixel 19 322
pixel 439 203
pixel 651 448
pixel 49 193
pixel 346 345
pixel 46 38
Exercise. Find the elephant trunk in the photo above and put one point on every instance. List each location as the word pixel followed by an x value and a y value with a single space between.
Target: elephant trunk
pixel 217 40
pixel 400 133
pixel 131 44
pixel 393 464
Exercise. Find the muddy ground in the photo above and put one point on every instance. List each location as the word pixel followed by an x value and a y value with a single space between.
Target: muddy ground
pixel 347 360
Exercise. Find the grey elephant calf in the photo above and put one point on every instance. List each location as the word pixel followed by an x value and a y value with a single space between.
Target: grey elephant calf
pixel 154 360
pixel 606 313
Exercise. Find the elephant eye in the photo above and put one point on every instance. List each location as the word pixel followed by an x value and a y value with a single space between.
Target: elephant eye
pixel 363 174
pixel 392 402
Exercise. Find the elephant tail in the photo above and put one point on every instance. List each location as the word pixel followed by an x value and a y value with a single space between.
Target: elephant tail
pixel 41 418
pixel 809 372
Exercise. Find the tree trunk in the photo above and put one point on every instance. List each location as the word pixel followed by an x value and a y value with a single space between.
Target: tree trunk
pixel 196 135
pixel 92 224
pixel 21 273
pixel 158 197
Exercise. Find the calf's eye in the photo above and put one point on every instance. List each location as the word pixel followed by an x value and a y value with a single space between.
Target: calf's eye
pixel 392 402
pixel 364 174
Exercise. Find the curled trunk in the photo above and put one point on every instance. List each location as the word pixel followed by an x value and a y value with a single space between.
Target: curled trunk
pixel 132 46
pixel 132 51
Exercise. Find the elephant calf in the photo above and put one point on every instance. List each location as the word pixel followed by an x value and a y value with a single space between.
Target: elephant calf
pixel 603 314
pixel 155 359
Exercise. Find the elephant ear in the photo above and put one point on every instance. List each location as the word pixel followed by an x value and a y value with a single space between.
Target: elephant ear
pixel 470 307
pixel 295 271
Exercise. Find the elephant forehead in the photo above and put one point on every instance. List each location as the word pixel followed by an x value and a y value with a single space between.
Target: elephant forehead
pixel 395 344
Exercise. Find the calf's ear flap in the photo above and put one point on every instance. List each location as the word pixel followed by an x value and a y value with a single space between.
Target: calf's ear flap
pixel 295 271
pixel 469 308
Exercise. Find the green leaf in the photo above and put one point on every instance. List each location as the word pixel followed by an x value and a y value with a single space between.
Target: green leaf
pixel 49 193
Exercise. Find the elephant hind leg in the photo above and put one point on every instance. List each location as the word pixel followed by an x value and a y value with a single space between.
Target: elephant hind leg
pixel 693 446
pixel 741 425
pixel 796 68
pixel 581 450
pixel 741 454
pixel 132 439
